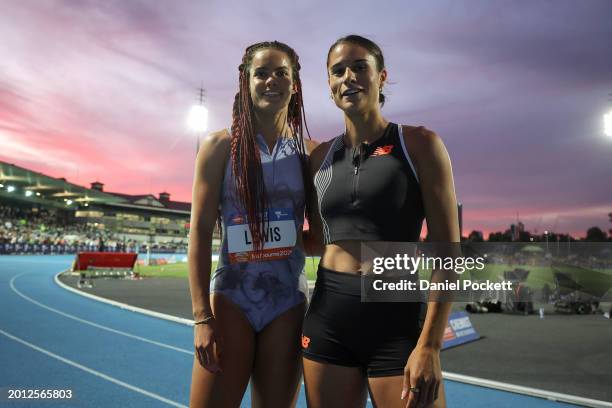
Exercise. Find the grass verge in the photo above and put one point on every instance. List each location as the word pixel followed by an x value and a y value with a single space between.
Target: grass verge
pixel 179 270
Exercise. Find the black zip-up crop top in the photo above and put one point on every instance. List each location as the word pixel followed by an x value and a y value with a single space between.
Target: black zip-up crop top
pixel 370 192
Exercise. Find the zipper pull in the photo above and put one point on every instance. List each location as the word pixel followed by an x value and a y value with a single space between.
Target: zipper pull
pixel 356 158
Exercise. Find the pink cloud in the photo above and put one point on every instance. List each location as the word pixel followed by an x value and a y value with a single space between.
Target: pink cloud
pixel 100 90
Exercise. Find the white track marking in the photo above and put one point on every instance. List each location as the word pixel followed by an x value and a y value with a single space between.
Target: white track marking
pixel 99 326
pixel 533 392
pixel 92 371
pixel 123 306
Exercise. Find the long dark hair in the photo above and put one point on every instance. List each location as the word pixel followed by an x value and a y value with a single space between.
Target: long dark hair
pixel 246 161
pixel 372 48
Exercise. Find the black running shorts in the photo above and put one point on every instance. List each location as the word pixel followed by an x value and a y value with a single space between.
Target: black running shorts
pixel 340 329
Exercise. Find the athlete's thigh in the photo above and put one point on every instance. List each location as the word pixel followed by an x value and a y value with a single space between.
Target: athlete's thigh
pixel 277 367
pixel 386 392
pixel 329 385
pixel 226 389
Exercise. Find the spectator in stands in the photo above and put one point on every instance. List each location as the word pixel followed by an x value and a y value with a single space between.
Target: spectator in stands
pixel 36 231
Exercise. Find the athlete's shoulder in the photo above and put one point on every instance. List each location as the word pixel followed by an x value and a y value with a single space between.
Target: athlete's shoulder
pixel 318 154
pixel 320 151
pixel 419 133
pixel 216 142
pixel 218 137
pixel 310 145
pixel 421 140
pixel 214 150
pixel 426 150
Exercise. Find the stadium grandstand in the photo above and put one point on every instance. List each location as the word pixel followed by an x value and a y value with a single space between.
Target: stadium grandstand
pixel 47 215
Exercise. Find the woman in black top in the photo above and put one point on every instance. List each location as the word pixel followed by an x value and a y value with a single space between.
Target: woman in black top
pixel 375 182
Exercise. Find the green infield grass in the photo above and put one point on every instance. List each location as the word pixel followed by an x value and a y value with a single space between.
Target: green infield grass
pixel 538 276
pixel 590 279
pixel 179 270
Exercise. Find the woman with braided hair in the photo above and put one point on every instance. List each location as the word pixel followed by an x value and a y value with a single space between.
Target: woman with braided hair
pixel 248 314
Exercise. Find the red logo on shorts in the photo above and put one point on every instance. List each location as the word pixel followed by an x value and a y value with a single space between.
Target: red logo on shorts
pixel 305 341
pixel 382 150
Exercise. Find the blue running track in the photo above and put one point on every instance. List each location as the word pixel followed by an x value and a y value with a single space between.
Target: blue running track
pixel 52 339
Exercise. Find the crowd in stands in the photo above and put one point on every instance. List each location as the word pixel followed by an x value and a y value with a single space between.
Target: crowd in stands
pixel 42 231
pixel 49 231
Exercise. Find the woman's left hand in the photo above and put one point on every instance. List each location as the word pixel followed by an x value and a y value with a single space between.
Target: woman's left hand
pixel 422 377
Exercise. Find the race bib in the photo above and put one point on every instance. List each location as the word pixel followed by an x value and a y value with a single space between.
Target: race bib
pixel 279 237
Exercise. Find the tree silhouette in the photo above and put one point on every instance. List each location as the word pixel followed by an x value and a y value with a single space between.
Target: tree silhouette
pixel 475 236
pixel 595 234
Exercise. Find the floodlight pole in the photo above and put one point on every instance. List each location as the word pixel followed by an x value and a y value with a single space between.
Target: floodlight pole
pixel 202 100
pixel 198 118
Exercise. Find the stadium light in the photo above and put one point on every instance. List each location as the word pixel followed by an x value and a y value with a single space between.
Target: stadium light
pixel 10 189
pixel 1 185
pixel 608 124
pixel 37 194
pixel 198 118
pixel 68 202
pixel 28 193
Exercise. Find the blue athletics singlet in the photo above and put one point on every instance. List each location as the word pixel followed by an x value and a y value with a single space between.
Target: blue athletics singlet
pixel 264 284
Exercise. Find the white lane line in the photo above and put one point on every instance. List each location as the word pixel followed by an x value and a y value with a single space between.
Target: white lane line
pixel 123 306
pixel 93 372
pixel 135 309
pixel 99 326
pixel 533 392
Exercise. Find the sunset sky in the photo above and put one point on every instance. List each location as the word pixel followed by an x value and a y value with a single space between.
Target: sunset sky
pixel 100 90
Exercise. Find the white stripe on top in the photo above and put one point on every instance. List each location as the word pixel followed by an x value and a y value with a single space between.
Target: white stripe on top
pixel 322 180
pixel 401 137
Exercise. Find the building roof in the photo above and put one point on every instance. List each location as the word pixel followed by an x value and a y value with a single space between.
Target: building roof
pixel 38 188
pixel 149 200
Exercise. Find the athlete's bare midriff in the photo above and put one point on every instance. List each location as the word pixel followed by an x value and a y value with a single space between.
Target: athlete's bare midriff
pixel 343 256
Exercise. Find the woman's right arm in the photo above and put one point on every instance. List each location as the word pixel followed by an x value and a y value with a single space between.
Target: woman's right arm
pixel 208 177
